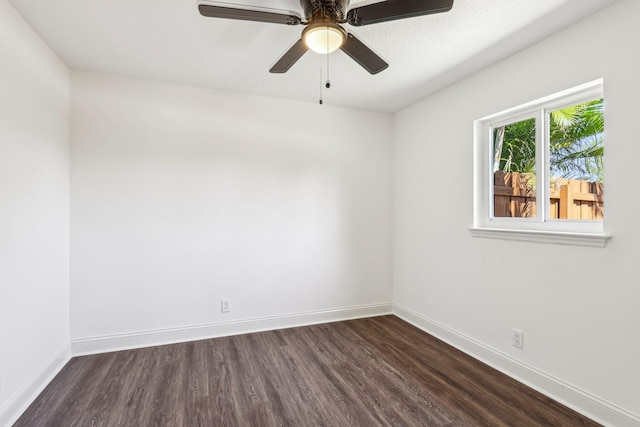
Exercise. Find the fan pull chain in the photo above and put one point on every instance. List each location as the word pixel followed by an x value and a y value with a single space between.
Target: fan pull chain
pixel 320 83
pixel 328 84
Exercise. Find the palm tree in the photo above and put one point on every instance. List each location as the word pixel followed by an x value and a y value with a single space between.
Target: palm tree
pixel 576 141
pixel 515 147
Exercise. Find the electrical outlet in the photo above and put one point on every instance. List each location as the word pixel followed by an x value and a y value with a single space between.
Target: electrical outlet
pixel 518 338
pixel 225 306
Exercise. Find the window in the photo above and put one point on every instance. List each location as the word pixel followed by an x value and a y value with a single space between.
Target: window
pixel 538 169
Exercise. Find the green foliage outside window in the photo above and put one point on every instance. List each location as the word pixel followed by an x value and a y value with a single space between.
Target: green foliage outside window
pixel 575 143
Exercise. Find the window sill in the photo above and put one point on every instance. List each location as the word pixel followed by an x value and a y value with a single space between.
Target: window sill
pixel 554 237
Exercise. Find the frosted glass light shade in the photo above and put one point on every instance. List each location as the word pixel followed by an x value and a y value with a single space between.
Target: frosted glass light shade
pixel 324 38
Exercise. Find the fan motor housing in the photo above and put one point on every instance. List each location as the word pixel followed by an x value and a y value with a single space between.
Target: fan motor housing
pixel 325 10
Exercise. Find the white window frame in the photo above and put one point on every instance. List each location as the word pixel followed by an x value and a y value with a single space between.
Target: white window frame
pixel 540 228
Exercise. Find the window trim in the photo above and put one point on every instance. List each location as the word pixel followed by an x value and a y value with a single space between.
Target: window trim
pixel 539 229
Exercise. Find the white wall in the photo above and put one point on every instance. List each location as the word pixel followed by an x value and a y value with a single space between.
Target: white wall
pixel 577 306
pixel 34 212
pixel 183 196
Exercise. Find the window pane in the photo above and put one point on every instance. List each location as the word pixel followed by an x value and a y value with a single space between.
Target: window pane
pixel 576 152
pixel 514 170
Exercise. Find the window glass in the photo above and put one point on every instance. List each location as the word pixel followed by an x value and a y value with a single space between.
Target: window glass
pixel 514 169
pixel 576 150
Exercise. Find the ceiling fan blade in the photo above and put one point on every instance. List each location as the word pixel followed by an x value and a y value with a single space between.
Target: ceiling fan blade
pixel 364 56
pixel 395 9
pixel 257 14
pixel 290 57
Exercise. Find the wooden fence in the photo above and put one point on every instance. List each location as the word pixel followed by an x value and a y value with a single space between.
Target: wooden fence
pixel 514 196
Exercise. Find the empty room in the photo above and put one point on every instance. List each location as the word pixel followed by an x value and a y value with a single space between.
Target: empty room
pixel 319 213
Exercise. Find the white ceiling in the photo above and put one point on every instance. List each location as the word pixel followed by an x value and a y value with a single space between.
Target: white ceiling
pixel 168 40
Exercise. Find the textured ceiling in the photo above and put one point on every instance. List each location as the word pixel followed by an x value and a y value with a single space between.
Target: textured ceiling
pixel 168 40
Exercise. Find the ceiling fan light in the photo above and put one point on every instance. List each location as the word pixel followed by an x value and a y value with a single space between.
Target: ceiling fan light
pixel 324 38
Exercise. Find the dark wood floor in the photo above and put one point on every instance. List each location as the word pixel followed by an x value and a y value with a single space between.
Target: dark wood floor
pixel 370 372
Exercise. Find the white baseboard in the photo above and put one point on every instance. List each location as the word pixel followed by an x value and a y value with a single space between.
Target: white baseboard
pixel 20 401
pixel 579 400
pixel 107 343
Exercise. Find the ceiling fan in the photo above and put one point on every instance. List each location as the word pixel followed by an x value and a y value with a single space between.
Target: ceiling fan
pixel 323 19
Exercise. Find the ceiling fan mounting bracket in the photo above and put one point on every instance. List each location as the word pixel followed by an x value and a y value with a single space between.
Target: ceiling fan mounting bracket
pixel 325 10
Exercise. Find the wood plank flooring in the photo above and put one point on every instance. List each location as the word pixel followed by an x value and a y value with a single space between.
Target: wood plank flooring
pixel 371 372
